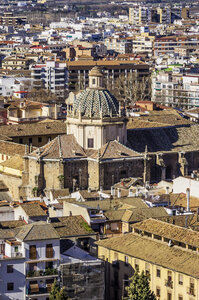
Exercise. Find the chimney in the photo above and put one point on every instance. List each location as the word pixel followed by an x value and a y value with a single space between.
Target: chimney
pixel 119 193
pixel 146 194
pixel 112 191
pixel 20 200
pixel 137 192
pixel 188 199
pixel 130 193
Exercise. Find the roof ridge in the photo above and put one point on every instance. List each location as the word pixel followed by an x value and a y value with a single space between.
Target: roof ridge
pixel 74 138
pixel 105 149
pixel 170 224
pixel 128 147
pixel 31 225
pixel 47 151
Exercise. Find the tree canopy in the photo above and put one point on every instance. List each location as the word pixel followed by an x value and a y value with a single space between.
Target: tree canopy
pixel 57 293
pixel 139 288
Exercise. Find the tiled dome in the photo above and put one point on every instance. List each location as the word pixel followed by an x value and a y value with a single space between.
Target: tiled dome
pixel 96 103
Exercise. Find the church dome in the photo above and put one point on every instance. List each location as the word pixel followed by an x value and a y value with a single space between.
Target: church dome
pixel 96 101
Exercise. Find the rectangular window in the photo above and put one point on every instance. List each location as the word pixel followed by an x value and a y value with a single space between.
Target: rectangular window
pixel 169 276
pixel 33 252
pixel 180 279
pixel 136 264
pixel 126 260
pixel 20 141
pixel 10 286
pixel 158 292
pixel 9 268
pixel 158 273
pixel 30 141
pixel 90 143
pixel 147 270
pixel 49 250
pixel 169 296
pixel 39 139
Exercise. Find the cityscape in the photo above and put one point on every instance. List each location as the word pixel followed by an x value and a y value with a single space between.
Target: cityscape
pixel 99 150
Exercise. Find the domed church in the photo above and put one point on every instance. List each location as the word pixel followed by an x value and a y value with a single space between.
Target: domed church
pixel 92 153
pixel 96 117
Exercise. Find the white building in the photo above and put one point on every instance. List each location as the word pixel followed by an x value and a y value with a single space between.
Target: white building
pixel 10 85
pixel 29 261
pixel 174 89
pixel 181 184
pixel 52 75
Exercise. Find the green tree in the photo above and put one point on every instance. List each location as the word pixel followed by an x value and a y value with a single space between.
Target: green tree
pixel 139 288
pixel 57 293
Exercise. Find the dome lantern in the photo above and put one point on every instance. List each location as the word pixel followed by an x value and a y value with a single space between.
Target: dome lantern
pixel 96 78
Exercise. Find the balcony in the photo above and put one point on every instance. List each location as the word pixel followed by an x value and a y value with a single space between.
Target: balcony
pixel 42 273
pixel 169 283
pixel 35 290
pixel 191 291
pixel 16 254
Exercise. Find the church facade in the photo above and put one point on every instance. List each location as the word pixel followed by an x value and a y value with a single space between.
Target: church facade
pixel 93 153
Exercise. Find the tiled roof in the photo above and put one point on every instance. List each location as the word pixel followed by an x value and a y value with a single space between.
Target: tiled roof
pixel 64 146
pixel 31 129
pixel 94 103
pixel 155 252
pixel 181 200
pixel 164 139
pixel 6 233
pixel 169 231
pixel 114 215
pixel 104 63
pixel 117 203
pixel 114 149
pixel 11 224
pixel 168 117
pixel 135 214
pixel 71 226
pixel 33 209
pixel 60 193
pixel 10 148
pixel 15 162
pixel 36 231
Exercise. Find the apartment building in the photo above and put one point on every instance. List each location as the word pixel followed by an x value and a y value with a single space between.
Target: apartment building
pixel 29 261
pixel 143 44
pixel 176 90
pixel 168 44
pixel 9 19
pixel 78 71
pixel 145 14
pixel 167 253
pixel 120 45
pixel 52 75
